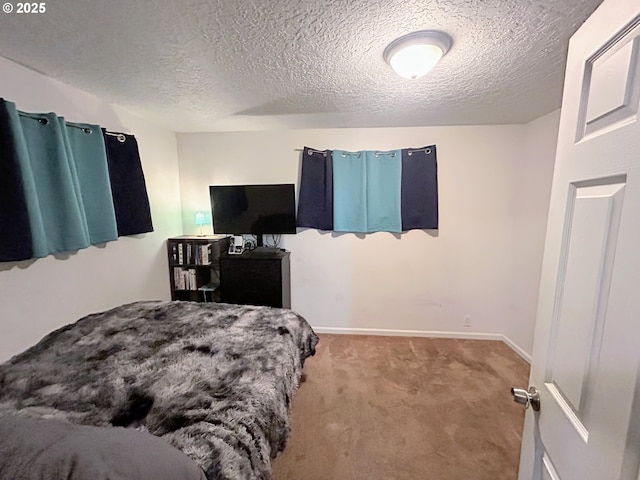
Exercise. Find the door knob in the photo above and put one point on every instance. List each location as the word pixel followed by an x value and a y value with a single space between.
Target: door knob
pixel 530 397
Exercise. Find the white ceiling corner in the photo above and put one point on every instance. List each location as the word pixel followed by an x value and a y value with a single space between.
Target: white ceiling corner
pixel 206 65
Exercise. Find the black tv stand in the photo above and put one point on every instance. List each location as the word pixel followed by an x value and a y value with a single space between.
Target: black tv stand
pixel 265 250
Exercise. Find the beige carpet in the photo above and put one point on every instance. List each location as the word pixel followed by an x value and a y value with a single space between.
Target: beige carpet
pixel 398 408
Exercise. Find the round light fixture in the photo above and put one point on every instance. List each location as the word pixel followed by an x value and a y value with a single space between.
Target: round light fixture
pixel 414 54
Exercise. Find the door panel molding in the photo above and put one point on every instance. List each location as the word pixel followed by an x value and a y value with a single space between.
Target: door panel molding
pixel 547 470
pixel 610 94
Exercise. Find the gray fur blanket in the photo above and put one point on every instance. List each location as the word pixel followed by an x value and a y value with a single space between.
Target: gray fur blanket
pixel 213 380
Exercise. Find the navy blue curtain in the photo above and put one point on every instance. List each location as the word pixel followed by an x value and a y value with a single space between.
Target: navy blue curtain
pixel 15 230
pixel 129 189
pixel 315 195
pixel 419 188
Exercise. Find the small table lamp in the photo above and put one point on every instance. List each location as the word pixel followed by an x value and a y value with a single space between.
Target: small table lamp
pixel 201 219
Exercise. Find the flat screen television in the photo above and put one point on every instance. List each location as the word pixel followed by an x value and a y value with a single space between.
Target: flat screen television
pixel 253 209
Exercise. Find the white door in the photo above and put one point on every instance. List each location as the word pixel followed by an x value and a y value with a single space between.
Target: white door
pixel 586 354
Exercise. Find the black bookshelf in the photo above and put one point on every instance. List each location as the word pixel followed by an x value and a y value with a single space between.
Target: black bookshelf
pixel 194 266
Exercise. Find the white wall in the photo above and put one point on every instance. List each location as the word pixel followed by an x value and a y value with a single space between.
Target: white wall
pixel 38 296
pixel 420 281
pixel 529 216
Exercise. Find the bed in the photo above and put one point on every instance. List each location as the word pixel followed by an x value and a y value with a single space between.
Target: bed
pixel 211 382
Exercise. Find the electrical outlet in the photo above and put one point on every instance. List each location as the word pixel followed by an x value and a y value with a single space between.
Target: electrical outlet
pixel 467 320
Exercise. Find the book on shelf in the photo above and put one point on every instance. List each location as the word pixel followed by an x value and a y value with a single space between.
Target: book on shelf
pixel 205 252
pixel 178 279
pixel 191 254
pixel 185 278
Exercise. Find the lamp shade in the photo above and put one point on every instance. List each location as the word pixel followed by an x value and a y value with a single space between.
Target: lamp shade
pixel 201 218
pixel 415 54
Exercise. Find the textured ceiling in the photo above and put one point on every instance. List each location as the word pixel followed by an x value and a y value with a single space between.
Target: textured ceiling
pixel 206 65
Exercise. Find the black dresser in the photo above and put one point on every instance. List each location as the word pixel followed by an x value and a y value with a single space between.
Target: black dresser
pixel 256 278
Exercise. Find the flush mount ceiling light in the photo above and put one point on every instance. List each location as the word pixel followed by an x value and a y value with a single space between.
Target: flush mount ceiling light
pixel 414 54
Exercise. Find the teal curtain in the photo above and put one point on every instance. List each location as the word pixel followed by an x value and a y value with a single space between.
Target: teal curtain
pixel 90 162
pixel 384 173
pixel 64 179
pixel 349 191
pixel 52 191
pixel 367 191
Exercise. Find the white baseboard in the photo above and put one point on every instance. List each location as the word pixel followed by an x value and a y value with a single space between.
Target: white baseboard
pixel 517 348
pixel 408 333
pixel 427 333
